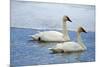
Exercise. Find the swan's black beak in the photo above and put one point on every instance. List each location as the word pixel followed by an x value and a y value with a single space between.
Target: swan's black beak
pixel 83 30
pixel 68 19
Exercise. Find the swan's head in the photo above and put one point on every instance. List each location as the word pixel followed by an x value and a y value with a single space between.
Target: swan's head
pixel 66 18
pixel 81 29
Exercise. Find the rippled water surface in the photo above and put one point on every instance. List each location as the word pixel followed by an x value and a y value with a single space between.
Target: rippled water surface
pixel 24 51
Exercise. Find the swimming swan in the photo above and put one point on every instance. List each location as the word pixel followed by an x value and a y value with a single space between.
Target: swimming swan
pixel 54 35
pixel 70 46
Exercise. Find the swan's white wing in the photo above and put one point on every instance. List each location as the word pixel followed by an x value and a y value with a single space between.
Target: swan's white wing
pixel 71 46
pixel 68 46
pixel 52 36
pixel 57 48
pixel 49 36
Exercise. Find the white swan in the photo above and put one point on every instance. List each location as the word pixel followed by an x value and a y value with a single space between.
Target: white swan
pixel 54 35
pixel 71 46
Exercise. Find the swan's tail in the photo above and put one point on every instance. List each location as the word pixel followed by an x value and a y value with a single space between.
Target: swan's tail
pixel 54 50
pixel 51 49
pixel 33 37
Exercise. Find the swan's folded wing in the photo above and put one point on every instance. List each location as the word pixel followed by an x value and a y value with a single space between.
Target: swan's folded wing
pixel 52 36
pixel 70 46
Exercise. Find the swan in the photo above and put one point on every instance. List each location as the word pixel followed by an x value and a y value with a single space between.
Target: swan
pixel 54 35
pixel 71 46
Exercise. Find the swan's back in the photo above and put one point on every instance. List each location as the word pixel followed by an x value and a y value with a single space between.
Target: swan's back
pixel 52 36
pixel 49 36
pixel 69 46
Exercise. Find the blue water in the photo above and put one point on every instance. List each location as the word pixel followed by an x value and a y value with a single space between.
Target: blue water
pixel 24 51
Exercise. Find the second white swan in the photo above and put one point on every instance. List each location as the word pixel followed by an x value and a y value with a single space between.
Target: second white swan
pixel 71 46
pixel 54 35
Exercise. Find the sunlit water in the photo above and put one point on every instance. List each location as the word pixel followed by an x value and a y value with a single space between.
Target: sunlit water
pixel 25 51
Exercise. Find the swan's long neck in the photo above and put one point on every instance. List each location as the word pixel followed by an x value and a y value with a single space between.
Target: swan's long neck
pixel 65 31
pixel 79 40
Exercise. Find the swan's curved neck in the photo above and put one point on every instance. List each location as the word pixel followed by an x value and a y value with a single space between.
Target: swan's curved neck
pixel 79 40
pixel 65 31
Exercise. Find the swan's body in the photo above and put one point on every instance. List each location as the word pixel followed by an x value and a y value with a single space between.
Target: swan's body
pixel 54 35
pixel 71 46
pixel 49 36
pixel 68 47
